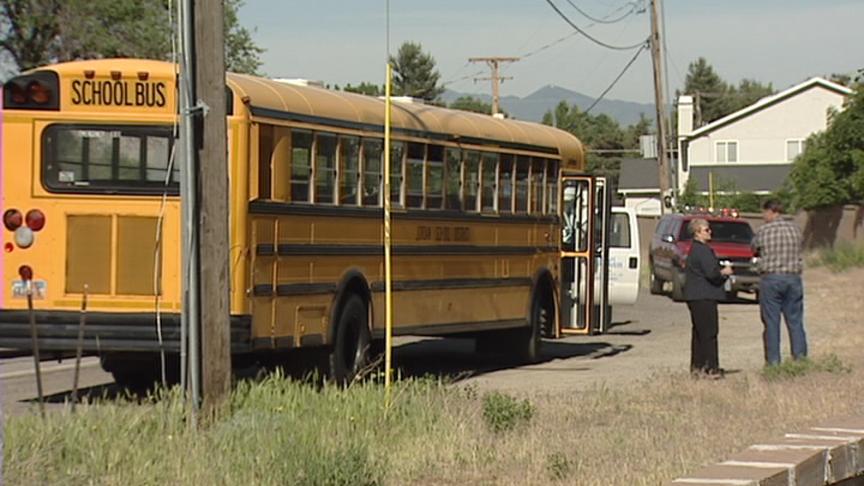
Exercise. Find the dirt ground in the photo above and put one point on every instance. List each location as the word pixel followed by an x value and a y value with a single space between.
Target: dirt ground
pixel 651 339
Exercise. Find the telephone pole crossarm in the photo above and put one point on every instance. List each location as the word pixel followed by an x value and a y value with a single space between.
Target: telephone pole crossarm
pixel 496 79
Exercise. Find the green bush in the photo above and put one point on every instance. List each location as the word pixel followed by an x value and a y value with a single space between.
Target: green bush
pixel 841 257
pixel 794 368
pixel 558 466
pixel 503 412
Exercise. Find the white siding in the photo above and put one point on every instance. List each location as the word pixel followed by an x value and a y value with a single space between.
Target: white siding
pixel 762 136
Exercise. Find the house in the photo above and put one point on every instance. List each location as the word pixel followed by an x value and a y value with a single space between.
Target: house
pixel 639 187
pixel 752 150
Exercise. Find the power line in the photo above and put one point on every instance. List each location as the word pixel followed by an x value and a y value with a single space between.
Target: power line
pixel 606 19
pixel 644 47
pixel 592 39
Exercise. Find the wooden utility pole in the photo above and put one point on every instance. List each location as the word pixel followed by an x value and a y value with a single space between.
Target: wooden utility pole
pixel 493 63
pixel 209 71
pixel 660 101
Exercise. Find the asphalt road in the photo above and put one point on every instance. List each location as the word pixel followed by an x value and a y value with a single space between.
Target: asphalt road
pixel 650 338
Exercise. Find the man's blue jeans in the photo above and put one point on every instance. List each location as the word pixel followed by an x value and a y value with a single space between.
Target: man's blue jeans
pixel 782 293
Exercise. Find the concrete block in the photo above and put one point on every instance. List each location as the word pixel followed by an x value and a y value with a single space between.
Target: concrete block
pixel 807 466
pixel 719 474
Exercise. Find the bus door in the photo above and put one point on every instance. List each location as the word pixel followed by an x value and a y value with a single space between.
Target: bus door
pixel 602 203
pixel 583 294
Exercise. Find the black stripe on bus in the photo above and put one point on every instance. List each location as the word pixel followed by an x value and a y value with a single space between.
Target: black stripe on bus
pixel 371 127
pixel 287 290
pixel 378 250
pixel 453 283
pixel 259 206
pixel 452 328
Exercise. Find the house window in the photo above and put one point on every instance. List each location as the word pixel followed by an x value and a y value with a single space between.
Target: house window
pixel 727 151
pixel 794 148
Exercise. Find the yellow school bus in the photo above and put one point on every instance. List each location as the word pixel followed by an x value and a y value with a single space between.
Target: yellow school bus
pixel 90 198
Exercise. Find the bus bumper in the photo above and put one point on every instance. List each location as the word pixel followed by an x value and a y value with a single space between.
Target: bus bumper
pixel 106 331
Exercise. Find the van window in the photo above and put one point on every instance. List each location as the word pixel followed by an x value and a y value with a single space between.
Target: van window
pixel 619 231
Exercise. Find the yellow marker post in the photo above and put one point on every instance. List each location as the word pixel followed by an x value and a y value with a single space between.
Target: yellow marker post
pixel 388 284
pixel 711 191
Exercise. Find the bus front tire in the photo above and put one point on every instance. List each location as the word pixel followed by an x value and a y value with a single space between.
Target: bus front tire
pixel 350 352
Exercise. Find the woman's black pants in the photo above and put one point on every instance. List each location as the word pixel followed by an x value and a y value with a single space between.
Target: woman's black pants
pixel 703 344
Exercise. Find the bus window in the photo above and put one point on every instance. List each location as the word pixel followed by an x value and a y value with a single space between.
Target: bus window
pixel 434 176
pixel 129 159
pixel 372 172
pixel 397 157
pixel 325 167
pixel 301 169
pixel 349 170
pixel 522 165
pixel 472 180
pixel 453 186
pixel 505 194
pixel 537 172
pixel 490 178
pixel 414 174
pixel 265 152
pixel 552 186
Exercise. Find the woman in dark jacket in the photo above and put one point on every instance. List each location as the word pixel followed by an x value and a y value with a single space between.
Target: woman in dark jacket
pixel 703 287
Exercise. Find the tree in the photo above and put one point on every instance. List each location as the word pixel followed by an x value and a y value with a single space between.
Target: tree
pixel 470 103
pixel 368 89
pixel 414 73
pixel 715 98
pixel 711 92
pixel 38 32
pixel 830 171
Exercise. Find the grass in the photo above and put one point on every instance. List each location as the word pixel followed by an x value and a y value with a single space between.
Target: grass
pixel 278 431
pixel 795 368
pixel 840 258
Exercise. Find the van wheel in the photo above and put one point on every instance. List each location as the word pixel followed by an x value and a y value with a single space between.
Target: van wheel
pixel 350 352
pixel 678 287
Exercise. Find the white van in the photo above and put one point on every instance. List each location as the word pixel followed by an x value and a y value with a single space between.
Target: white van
pixel 624 259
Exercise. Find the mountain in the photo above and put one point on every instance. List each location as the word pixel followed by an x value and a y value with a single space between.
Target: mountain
pixel 535 105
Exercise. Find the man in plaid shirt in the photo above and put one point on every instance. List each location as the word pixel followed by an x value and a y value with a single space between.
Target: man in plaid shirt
pixel 778 245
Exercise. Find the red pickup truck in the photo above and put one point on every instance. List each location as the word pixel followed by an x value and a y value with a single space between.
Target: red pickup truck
pixel 730 240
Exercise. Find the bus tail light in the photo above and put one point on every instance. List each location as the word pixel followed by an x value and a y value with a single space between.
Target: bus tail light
pixel 25 272
pixel 17 93
pixel 35 219
pixel 12 219
pixel 8 247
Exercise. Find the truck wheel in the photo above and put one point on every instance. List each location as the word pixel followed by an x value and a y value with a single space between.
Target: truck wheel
pixel 656 283
pixel 678 287
pixel 350 351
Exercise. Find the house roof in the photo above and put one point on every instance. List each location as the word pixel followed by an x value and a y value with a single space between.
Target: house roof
pixel 743 178
pixel 640 175
pixel 767 102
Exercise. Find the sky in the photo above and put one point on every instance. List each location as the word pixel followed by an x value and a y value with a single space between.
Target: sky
pixel 782 42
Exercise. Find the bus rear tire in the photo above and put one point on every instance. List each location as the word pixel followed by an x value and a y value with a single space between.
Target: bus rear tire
pixel 350 352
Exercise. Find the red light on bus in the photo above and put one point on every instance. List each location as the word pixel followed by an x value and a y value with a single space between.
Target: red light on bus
pixel 19 94
pixel 143 75
pixel 25 272
pixel 38 93
pixel 35 219
pixel 12 219
pixel 116 75
pixel 89 74
pixel 8 247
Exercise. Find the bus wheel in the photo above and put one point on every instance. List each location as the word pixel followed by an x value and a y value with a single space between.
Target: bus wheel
pixel 350 352
pixel 541 321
